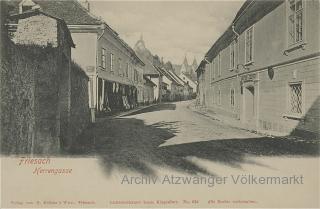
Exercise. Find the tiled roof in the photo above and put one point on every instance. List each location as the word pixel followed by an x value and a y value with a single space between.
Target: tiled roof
pixel 170 75
pixel 148 69
pixel 177 78
pixel 70 11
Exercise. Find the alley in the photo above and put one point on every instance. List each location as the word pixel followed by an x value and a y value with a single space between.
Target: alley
pixel 172 136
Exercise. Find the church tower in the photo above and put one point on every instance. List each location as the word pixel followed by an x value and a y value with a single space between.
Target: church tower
pixel 185 65
pixel 194 64
pixel 140 45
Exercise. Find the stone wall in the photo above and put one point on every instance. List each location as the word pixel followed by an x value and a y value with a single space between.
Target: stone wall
pixel 46 28
pixel 32 120
pixel 80 113
pixel 29 100
pixel 44 102
pixel 17 107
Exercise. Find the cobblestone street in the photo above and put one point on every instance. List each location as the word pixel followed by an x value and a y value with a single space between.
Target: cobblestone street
pixel 171 140
pixel 172 136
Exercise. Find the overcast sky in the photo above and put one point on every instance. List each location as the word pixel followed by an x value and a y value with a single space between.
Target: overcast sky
pixel 170 29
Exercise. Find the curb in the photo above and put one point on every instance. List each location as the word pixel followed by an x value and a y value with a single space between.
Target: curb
pixel 261 133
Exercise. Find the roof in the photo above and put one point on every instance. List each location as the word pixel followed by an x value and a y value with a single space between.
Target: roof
pixel 71 11
pixel 132 52
pixel 201 65
pixel 149 68
pixel 171 76
pixel 148 81
pixel 177 78
pixel 38 12
pixel 249 13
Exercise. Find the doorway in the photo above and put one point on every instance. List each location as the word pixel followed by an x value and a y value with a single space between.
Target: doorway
pixel 250 106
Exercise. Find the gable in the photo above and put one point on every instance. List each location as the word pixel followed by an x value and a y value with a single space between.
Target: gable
pixel 70 11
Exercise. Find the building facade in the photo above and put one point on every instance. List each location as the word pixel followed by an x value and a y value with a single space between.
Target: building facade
pixel 119 73
pixel 188 73
pixel 187 79
pixel 264 69
pixel 149 69
pixel 172 84
pixel 148 91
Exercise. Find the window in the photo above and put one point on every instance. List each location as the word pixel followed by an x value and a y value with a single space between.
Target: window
pixel 295 22
pixel 295 103
pixel 127 70
pixel 219 96
pixel 211 69
pixel 232 96
pixel 213 99
pixel 232 55
pixel 103 58
pixel 111 62
pixel 213 74
pixel 135 75
pixel 120 67
pixel 219 65
pixel 249 45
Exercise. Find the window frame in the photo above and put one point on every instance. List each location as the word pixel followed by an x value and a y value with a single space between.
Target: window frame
pixel 119 67
pixel 213 70
pixel 289 112
pixel 232 98
pixel 248 62
pixel 111 62
pixel 233 49
pixel 213 96
pixel 127 70
pixel 219 96
pixel 103 58
pixel 302 42
pixel 219 65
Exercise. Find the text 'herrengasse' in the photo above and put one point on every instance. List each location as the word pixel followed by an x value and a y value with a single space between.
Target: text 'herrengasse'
pixel 43 166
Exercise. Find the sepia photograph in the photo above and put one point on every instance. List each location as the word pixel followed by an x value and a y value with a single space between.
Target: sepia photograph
pixel 160 104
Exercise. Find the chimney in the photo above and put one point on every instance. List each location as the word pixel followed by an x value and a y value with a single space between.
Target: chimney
pixel 85 4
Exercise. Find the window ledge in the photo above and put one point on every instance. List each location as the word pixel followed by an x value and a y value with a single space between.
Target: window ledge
pixel 293 117
pixel 300 45
pixel 231 69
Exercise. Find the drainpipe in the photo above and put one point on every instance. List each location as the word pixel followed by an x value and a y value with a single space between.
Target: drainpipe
pixel 238 50
pixel 238 46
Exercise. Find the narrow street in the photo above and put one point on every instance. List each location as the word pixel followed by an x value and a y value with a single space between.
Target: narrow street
pixel 172 136
pixel 171 140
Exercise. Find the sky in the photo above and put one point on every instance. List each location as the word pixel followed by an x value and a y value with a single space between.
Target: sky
pixel 170 29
